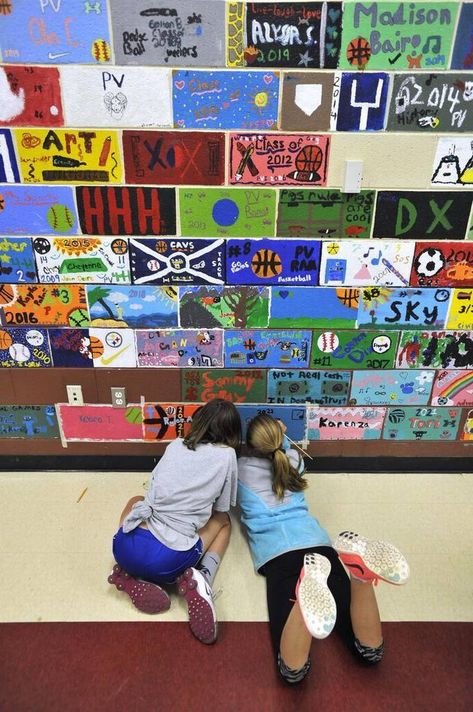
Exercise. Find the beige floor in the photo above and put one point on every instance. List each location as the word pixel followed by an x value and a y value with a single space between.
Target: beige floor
pixel 55 550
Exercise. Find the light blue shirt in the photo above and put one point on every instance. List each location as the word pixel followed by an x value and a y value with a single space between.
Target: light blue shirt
pixel 274 526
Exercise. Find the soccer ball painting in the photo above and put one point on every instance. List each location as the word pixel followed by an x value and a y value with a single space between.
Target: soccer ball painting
pixel 429 262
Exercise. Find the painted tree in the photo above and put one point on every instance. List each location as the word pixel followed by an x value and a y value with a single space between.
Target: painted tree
pixel 241 301
pixel 99 294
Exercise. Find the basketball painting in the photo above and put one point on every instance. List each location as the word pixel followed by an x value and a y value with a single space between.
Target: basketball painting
pixel 267 261
pixel 282 159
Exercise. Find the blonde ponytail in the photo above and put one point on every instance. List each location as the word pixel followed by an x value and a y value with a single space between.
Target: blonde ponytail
pixel 264 437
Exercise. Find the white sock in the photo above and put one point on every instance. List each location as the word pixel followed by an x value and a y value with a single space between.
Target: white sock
pixel 208 565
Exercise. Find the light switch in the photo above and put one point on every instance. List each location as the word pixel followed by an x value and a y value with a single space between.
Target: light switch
pixel 353 176
pixel 74 395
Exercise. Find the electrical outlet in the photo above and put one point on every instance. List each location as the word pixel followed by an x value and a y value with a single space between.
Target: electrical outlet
pixel 118 397
pixel 74 395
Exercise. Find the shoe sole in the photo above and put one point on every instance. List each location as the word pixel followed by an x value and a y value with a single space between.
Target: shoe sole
pixel 369 560
pixel 316 602
pixel 202 619
pixel 147 597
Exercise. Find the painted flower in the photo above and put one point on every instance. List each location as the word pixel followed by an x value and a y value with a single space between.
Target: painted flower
pixel 425 377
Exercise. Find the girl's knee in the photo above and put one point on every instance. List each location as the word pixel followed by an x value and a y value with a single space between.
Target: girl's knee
pixel 291 676
pixel 223 518
pixel 371 656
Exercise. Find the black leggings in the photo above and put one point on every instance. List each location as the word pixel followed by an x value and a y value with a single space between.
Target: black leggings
pixel 282 575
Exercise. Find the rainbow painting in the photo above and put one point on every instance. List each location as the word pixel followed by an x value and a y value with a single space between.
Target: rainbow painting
pixel 453 388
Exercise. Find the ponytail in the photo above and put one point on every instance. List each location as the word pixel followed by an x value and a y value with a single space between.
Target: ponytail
pixel 264 438
pixel 285 475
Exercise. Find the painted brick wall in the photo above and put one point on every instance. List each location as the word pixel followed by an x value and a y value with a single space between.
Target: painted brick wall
pixel 174 219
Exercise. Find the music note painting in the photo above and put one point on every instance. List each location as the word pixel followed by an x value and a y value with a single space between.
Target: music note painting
pixel 359 263
pixel 397 35
pixel 398 386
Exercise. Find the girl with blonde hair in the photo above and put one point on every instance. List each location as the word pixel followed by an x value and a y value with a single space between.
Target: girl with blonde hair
pixel 308 589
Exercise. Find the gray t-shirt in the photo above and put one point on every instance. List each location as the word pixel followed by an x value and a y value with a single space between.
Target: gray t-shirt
pixel 256 474
pixel 185 486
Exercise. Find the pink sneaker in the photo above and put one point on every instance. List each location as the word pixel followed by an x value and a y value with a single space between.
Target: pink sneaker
pixel 147 597
pixel 370 560
pixel 315 599
pixel 199 596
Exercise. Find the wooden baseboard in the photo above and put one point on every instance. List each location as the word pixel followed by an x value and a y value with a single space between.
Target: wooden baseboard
pixel 114 463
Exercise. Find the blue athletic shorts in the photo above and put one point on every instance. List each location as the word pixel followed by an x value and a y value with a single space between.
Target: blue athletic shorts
pixel 145 557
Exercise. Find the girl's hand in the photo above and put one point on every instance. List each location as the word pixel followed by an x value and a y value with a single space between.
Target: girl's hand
pixel 283 427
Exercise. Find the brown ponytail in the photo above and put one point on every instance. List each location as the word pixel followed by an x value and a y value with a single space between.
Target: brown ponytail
pixel 264 438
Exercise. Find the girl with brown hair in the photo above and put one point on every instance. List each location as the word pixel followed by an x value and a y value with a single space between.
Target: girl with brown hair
pixel 308 589
pixel 182 520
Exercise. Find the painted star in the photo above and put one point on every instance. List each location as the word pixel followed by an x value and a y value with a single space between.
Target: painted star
pixel 305 59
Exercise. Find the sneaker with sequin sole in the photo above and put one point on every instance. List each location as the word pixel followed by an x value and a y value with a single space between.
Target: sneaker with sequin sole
pixel 147 597
pixel 371 560
pixel 316 602
pixel 193 586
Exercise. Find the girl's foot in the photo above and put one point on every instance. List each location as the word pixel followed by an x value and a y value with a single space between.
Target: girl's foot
pixel 199 596
pixel 371 560
pixel 315 600
pixel 147 597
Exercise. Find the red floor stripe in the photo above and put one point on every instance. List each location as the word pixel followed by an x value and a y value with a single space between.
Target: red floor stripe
pixel 159 666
